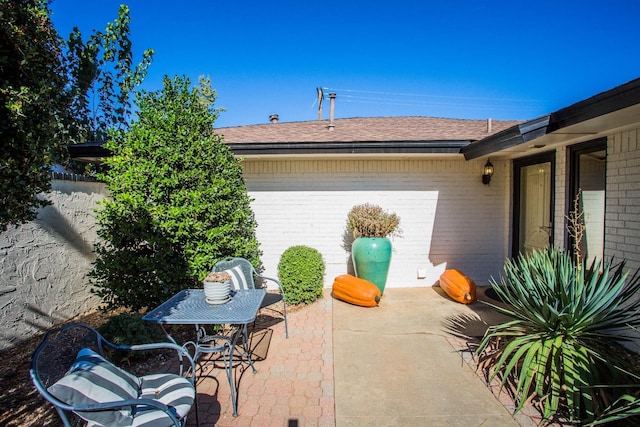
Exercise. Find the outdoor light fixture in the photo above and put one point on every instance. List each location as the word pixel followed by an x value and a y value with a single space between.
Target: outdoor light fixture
pixel 487 172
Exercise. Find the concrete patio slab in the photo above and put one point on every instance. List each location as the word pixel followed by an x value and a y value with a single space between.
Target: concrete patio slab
pixel 394 365
pixel 398 364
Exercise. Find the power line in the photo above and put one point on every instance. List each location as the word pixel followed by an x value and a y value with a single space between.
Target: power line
pixel 437 104
pixel 425 104
pixel 422 95
pixel 428 102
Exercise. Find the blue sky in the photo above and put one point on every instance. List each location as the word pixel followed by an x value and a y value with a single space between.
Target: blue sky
pixel 456 58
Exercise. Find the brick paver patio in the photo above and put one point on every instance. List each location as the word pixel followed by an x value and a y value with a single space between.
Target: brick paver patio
pixel 293 385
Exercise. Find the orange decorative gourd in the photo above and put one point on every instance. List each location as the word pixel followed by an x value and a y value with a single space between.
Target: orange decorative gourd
pixel 458 286
pixel 356 291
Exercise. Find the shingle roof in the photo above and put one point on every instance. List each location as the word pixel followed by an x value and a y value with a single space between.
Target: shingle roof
pixel 365 129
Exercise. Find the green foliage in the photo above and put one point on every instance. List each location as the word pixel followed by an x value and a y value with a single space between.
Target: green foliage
pixel 103 78
pixel 626 407
pixel 47 93
pixel 178 201
pixel 130 329
pixel 566 320
pixel 33 107
pixel 301 273
pixel 372 221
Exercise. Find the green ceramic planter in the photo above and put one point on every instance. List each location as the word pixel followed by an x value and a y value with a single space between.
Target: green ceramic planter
pixel 371 258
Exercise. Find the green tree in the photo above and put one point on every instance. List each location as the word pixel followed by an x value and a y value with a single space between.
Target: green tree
pixel 103 78
pixel 46 97
pixel 33 107
pixel 178 200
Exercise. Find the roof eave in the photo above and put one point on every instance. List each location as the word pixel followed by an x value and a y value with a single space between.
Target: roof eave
pixel 611 101
pixel 362 147
pixel 511 137
pixel 93 151
pixel 615 99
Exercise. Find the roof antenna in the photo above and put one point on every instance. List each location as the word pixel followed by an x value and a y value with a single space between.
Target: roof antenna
pixel 320 99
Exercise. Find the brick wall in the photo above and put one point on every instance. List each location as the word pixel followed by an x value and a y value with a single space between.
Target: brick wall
pixel 560 207
pixel 622 222
pixel 448 217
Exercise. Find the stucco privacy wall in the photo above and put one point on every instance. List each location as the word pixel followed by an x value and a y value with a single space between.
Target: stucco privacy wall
pixel 45 262
pixel 622 221
pixel 448 217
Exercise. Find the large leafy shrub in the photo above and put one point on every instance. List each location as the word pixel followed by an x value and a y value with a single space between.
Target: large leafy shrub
pixel 52 93
pixel 301 273
pixel 33 107
pixel 557 350
pixel 178 200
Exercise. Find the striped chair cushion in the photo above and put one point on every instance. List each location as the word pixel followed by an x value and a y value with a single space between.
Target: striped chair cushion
pixel 170 389
pixel 93 379
pixel 238 279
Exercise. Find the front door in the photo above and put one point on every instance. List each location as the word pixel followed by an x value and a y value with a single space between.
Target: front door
pixel 533 202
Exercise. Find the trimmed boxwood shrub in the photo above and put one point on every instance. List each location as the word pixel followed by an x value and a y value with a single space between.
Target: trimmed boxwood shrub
pixel 301 273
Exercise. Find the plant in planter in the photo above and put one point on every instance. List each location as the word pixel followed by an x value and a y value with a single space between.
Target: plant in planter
pixel 217 286
pixel 217 277
pixel 371 250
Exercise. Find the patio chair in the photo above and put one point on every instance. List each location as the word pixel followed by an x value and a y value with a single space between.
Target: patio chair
pixel 70 370
pixel 244 276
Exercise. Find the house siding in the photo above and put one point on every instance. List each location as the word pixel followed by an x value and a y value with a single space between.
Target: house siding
pixel 622 221
pixel 449 219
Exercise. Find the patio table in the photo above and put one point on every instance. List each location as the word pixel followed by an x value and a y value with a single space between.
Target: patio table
pixel 188 307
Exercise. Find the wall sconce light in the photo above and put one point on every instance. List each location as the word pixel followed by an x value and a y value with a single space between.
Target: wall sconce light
pixel 487 172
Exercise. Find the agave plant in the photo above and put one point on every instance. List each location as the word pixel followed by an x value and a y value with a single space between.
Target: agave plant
pixel 625 407
pixel 565 321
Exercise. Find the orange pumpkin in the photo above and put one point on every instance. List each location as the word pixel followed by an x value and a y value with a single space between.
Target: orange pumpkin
pixel 458 286
pixel 356 291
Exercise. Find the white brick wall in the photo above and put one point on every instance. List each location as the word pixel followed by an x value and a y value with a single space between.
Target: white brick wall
pixel 560 207
pixel 622 222
pixel 448 217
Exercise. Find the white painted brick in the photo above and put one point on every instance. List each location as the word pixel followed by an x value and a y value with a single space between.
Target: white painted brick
pixel 440 203
pixel 622 237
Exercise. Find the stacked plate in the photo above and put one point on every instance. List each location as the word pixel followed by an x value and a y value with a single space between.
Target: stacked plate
pixel 217 292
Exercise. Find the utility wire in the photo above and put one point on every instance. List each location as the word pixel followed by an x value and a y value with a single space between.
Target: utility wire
pixel 418 103
pixel 439 104
pixel 429 96
pixel 423 100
